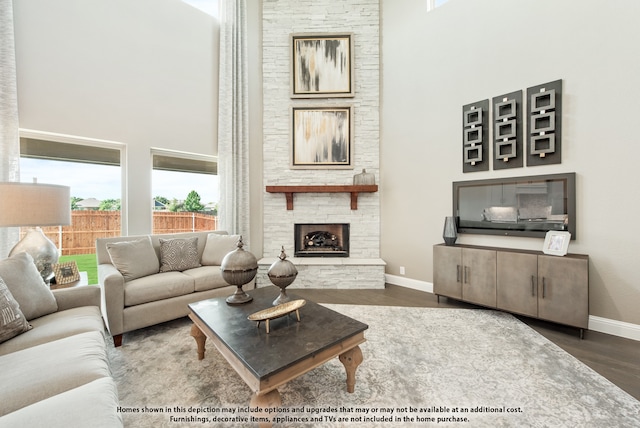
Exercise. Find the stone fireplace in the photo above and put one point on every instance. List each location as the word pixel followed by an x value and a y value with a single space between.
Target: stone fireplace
pixel 360 266
pixel 321 240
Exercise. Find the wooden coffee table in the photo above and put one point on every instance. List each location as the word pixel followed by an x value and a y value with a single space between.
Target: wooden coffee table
pixel 291 348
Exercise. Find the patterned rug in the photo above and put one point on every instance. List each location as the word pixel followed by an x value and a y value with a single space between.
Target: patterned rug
pixel 422 367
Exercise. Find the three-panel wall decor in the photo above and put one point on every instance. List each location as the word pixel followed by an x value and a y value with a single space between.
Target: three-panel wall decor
pixel 508 135
pixel 321 68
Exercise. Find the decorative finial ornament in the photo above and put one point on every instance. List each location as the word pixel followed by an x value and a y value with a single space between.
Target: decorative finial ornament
pixel 282 273
pixel 238 268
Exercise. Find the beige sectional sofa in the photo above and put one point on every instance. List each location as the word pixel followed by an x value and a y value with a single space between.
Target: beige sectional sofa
pixel 149 279
pixel 53 356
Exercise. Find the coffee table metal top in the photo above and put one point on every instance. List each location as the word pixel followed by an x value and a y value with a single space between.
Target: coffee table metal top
pixel 288 342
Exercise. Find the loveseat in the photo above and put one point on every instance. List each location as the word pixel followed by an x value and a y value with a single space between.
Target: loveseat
pixel 53 355
pixel 149 279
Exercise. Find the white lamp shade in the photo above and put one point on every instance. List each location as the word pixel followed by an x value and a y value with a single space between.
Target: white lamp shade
pixel 27 204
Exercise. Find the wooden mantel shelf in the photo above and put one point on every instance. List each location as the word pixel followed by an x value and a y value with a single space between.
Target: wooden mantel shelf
pixel 352 189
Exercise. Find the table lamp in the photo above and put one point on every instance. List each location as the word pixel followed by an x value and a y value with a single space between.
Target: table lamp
pixel 32 204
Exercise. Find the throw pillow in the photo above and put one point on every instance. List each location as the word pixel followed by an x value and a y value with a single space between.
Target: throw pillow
pixel 217 247
pixel 134 259
pixel 178 254
pixel 12 320
pixel 27 287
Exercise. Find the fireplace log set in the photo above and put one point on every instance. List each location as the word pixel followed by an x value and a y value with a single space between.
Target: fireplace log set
pixel 315 240
pixel 320 240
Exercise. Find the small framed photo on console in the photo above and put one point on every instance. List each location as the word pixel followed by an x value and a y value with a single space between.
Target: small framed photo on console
pixel 556 243
pixel 66 272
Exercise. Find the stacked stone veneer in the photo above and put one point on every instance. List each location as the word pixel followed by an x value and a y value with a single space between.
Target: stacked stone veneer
pixel 364 268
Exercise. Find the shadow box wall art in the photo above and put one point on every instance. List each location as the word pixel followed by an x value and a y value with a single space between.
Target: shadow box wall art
pixel 507 131
pixel 322 65
pixel 475 136
pixel 322 137
pixel 544 111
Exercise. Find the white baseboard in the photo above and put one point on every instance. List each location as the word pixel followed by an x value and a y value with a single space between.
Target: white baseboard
pixel 409 283
pixel 615 328
pixel 599 324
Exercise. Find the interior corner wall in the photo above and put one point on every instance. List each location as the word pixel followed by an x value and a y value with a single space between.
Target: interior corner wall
pixel 464 51
pixel 142 73
pixel 256 187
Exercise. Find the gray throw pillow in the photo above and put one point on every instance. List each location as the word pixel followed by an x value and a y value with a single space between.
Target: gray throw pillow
pixel 134 259
pixel 217 247
pixel 12 321
pixel 178 254
pixel 27 287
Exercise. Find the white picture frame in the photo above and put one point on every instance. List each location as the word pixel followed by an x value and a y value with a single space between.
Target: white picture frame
pixel 556 243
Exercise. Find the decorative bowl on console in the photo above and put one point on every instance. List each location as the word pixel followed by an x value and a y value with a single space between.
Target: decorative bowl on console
pixel 282 273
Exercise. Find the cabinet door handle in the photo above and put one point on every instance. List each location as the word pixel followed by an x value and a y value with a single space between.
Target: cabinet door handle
pixel 533 285
pixel 466 274
pixel 544 287
pixel 457 273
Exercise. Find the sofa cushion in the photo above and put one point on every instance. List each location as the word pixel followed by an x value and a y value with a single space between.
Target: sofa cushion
pixel 134 259
pixel 12 320
pixel 217 247
pixel 56 326
pixel 206 277
pixel 27 287
pixel 179 254
pixel 45 370
pixel 92 405
pixel 157 287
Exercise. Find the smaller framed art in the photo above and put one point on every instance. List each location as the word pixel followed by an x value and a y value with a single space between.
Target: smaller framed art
pixel 322 137
pixel 556 243
pixel 322 65
pixel 66 272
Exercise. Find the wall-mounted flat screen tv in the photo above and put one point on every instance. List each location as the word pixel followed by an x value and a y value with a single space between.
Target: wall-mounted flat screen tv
pixel 519 206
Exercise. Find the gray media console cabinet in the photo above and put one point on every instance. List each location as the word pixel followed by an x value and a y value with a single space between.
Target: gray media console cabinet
pixel 528 283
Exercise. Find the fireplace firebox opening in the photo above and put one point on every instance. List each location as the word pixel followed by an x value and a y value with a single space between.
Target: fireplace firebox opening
pixel 321 240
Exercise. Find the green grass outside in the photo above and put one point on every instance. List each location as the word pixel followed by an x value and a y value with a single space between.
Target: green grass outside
pixel 86 263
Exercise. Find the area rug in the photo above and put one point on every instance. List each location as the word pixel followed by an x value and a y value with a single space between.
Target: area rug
pixel 422 367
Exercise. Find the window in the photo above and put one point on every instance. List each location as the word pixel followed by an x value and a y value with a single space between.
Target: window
pixel 207 6
pixel 92 171
pixel 185 190
pixel 432 4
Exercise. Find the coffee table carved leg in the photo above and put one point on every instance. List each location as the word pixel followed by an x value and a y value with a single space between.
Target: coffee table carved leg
pixel 200 338
pixel 351 360
pixel 270 400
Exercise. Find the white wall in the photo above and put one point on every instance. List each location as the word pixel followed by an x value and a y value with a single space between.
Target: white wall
pixel 466 51
pixel 143 73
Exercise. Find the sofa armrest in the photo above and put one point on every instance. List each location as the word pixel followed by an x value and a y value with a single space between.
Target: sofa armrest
pixel 112 297
pixel 75 297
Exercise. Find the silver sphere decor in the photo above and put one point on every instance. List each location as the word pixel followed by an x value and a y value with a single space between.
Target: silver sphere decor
pixel 238 268
pixel 282 273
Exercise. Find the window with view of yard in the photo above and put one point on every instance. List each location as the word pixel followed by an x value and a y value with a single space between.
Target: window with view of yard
pixel 186 192
pixel 94 175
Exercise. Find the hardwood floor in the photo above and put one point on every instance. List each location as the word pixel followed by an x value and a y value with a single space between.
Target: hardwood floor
pixel 615 358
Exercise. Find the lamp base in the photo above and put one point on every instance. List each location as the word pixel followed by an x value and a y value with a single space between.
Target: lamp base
pixel 239 297
pixel 42 249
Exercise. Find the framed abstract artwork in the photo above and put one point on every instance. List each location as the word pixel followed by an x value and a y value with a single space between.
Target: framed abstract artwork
pixel 322 65
pixel 322 137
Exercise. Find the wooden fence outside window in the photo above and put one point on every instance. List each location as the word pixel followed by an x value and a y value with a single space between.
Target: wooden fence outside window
pixel 87 226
